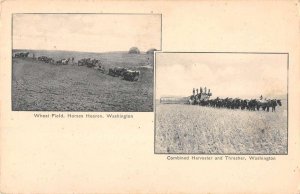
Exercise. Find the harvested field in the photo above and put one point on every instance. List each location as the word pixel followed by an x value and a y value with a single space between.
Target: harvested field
pixel 39 86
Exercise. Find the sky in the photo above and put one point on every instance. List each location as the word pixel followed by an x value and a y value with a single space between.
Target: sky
pixel 86 32
pixel 226 74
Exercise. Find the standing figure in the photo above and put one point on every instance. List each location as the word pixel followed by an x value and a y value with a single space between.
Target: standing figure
pixel 205 90
pixel 261 97
pixel 201 90
pixel 193 91
pixel 197 91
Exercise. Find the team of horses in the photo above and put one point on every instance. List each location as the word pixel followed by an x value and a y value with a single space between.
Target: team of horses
pixel 89 62
pixel 52 61
pixel 21 54
pixel 124 73
pixel 237 103
pixel 46 59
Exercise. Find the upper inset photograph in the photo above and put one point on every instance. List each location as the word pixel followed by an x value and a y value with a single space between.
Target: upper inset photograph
pixel 84 62
pixel 221 103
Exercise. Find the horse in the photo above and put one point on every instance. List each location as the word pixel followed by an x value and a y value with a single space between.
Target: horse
pixel 23 55
pixel 252 105
pixel 244 104
pixel 65 61
pixel 130 75
pixel 274 103
pixel 267 104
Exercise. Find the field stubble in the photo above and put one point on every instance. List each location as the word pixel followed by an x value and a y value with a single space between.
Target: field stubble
pixel 38 86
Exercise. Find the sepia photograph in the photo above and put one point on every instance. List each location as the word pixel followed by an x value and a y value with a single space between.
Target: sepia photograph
pixel 149 97
pixel 84 62
pixel 221 103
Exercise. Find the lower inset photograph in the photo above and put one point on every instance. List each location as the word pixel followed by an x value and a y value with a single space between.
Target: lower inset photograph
pixel 221 103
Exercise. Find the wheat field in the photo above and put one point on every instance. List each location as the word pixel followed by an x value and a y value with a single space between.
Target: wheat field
pixel 205 130
pixel 39 86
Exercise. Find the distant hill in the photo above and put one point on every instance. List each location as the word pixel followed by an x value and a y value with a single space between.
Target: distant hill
pixel 64 51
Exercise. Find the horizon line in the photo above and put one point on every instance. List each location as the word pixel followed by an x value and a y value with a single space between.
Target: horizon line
pixel 171 96
pixel 78 51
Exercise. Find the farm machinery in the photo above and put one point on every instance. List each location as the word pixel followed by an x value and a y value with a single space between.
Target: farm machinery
pixel 174 100
pixel 200 97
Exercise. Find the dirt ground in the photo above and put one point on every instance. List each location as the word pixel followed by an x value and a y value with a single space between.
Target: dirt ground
pixel 38 86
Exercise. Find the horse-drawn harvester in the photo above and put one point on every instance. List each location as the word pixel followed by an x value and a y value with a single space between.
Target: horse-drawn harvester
pixel 200 98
